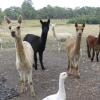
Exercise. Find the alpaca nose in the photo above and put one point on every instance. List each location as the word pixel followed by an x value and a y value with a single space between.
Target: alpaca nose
pixel 80 34
pixel 13 33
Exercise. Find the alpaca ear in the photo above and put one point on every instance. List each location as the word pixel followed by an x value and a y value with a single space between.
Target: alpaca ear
pixel 83 25
pixel 76 25
pixel 48 21
pixel 41 21
pixel 7 19
pixel 20 19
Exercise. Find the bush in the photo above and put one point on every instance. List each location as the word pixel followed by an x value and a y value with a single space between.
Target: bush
pixel 85 19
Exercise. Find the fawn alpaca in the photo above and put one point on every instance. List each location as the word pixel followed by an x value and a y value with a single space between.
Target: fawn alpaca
pixel 73 51
pixel 24 56
pixel 93 43
pixel 38 43
pixel 60 37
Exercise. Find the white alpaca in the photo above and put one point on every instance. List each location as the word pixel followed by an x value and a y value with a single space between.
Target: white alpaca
pixel 60 37
pixel 61 94
pixel 24 56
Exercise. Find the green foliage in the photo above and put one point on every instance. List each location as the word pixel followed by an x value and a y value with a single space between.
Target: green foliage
pixel 28 12
pixel 52 12
pixel 89 15
pixel 85 19
pixel 1 16
pixel 13 12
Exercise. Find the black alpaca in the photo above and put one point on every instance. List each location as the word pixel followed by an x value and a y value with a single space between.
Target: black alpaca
pixel 38 43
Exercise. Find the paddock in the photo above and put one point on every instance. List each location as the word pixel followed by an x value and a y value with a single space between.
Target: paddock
pixel 46 82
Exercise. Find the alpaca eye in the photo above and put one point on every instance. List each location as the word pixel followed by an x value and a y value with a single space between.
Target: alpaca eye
pixel 18 27
pixel 10 27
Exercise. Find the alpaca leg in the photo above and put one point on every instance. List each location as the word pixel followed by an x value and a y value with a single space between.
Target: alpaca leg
pixel 22 82
pixel 59 47
pixel 30 82
pixel 97 54
pixel 90 52
pixel 41 60
pixel 93 54
pixel 35 60
pixel 88 49
pixel 77 74
pixel 70 71
pixel 68 64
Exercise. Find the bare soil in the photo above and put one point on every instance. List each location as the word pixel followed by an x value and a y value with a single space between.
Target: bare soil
pixel 46 82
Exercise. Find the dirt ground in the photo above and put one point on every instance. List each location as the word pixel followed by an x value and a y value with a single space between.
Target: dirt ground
pixel 46 82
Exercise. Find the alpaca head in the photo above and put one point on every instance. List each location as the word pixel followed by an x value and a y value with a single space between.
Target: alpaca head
pixel 52 26
pixel 79 29
pixel 63 75
pixel 45 26
pixel 14 30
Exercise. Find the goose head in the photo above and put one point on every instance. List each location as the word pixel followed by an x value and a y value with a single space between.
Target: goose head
pixel 63 75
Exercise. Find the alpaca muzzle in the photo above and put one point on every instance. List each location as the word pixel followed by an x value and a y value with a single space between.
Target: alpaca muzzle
pixel 13 33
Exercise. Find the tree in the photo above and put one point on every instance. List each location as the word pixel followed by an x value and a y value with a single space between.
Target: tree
pixel 13 12
pixel 28 12
pixel 1 16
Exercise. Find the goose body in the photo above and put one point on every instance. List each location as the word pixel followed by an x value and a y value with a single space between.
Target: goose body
pixel 61 94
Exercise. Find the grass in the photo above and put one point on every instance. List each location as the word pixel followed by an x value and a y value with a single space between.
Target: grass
pixel 33 26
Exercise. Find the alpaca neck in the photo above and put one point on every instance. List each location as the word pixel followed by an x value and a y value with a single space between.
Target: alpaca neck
pixel 78 42
pixel 61 90
pixel 19 48
pixel 54 33
pixel 43 39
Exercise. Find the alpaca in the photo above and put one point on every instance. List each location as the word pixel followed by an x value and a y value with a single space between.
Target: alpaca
pixel 90 41
pixel 24 56
pixel 60 37
pixel 73 52
pixel 96 48
pixel 93 43
pixel 61 94
pixel 38 43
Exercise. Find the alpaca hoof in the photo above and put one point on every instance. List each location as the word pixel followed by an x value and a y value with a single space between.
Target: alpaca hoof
pixel 36 68
pixel 21 92
pixel 97 60
pixel 33 94
pixel 43 68
pixel 91 60
pixel 78 76
pixel 69 73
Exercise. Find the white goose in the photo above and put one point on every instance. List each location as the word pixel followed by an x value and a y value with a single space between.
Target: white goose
pixel 61 94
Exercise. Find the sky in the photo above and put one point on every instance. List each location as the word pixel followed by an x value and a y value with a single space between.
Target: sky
pixel 43 3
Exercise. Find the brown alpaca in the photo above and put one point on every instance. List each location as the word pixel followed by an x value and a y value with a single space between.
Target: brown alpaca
pixel 73 51
pixel 24 56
